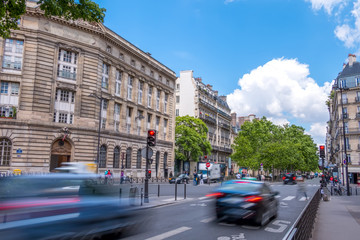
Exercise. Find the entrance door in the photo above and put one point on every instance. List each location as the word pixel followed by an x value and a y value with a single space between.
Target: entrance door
pixel 60 152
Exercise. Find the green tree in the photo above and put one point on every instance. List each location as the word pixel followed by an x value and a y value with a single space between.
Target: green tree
pixel 12 10
pixel 279 147
pixel 191 139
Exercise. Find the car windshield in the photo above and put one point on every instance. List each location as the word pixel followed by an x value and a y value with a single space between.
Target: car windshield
pixel 241 186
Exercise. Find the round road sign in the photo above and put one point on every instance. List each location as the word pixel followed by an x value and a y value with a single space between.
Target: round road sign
pixel 207 164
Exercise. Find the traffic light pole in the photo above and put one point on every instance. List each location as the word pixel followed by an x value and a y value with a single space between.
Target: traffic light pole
pixel 146 193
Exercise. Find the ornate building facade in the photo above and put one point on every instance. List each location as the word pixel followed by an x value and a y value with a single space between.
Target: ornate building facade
pixel 196 99
pixel 68 87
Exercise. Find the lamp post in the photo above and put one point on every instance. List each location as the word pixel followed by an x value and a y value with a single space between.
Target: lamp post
pixel 99 130
pixel 346 158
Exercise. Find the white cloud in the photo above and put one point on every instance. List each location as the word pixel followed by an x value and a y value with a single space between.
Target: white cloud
pixel 282 91
pixel 350 36
pixel 328 5
pixel 318 131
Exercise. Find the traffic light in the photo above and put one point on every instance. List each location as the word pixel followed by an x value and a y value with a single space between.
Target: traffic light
pixel 151 138
pixel 322 151
pixel 148 174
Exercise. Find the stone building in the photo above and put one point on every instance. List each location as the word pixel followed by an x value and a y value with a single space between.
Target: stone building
pixel 196 99
pixel 68 87
pixel 344 124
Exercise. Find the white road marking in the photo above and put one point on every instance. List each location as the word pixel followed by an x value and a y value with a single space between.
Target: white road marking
pixel 277 196
pixel 207 220
pixel 281 224
pixel 227 224
pixel 169 233
pixel 303 199
pixel 201 198
pixel 288 198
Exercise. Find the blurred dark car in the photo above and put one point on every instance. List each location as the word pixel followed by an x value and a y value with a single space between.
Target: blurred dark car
pixel 182 178
pixel 245 200
pixel 62 206
pixel 289 178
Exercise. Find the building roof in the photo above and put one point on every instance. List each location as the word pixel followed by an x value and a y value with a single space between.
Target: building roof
pixel 350 71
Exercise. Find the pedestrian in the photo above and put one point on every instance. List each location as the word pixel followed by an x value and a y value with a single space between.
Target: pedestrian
pixel 301 189
pixel 122 177
pixel 238 176
pixel 262 178
pixel 201 179
pixel 271 176
pixel 171 174
pixel 195 178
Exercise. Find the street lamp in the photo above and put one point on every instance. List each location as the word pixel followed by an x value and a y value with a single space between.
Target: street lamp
pixel 346 158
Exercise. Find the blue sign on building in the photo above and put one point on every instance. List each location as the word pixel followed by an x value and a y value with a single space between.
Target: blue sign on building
pixel 19 150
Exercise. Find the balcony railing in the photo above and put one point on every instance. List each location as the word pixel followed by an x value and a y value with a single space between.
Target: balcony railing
pixel 66 74
pixel 12 65
pixel 352 131
pixel 345 101
pixel 348 146
pixel 358 115
pixel 357 99
pixel 345 116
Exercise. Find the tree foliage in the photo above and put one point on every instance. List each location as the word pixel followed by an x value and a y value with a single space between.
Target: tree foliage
pixel 11 11
pixel 191 139
pixel 281 147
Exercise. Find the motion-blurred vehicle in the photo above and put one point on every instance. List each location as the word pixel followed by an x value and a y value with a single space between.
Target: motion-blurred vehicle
pixel 245 200
pixel 182 178
pixel 62 206
pixel 289 178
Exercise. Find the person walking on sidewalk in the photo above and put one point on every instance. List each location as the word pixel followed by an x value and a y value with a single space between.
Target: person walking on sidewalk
pixel 301 190
pixel 195 178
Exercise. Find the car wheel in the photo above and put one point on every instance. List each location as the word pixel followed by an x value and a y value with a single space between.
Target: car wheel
pixel 262 219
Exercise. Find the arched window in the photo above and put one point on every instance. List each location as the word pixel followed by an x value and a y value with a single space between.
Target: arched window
pixel 102 163
pixel 5 152
pixel 157 161
pixel 138 159
pixel 128 158
pixel 117 157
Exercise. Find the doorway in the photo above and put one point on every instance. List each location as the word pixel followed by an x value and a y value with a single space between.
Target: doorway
pixel 60 152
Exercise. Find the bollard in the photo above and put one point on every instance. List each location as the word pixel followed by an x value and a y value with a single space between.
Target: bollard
pixel 158 190
pixel 331 188
pixel 175 191
pixel 184 190
pixel 120 193
pixel 141 197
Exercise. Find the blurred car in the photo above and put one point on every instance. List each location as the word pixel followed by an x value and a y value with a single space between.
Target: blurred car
pixel 289 178
pixel 62 206
pixel 300 178
pixel 182 178
pixel 245 200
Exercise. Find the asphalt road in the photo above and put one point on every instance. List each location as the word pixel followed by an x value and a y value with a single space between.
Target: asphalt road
pixel 195 218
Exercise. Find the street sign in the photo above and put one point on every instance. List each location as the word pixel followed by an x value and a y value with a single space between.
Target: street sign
pixel 207 164
pixel 143 152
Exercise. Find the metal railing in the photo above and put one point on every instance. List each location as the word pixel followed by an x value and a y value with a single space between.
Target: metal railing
pixel 303 226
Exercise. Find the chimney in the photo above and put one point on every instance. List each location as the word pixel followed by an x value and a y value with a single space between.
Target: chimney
pixel 352 59
pixel 216 93
pixel 209 86
pixel 198 79
pixel 233 119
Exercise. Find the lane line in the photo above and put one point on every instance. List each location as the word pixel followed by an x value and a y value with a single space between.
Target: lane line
pixel 201 198
pixel 169 233
pixel 207 220
pixel 288 198
pixel 303 199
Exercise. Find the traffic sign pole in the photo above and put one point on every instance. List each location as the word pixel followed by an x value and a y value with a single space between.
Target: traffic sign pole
pixel 146 193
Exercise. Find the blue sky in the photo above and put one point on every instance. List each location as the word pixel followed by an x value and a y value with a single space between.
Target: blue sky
pixel 273 58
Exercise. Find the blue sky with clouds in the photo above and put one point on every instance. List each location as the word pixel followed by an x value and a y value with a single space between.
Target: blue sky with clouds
pixel 273 58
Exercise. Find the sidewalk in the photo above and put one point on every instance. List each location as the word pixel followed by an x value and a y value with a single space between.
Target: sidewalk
pixel 338 218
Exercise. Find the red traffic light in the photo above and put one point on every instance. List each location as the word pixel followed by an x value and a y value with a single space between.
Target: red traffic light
pixel 322 147
pixel 151 132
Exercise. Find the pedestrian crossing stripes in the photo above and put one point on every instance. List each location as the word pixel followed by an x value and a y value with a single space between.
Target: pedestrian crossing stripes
pixel 288 198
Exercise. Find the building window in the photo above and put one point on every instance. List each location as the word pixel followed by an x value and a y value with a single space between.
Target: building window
pixel 117 117
pixel 116 160
pixel 177 112
pixel 140 92
pixel 148 121
pixel 102 162
pixel 67 64
pixel 149 97
pixel 151 73
pixel 132 63
pixel 158 94
pixel 128 158
pixel 121 56
pixel 105 76
pixel 138 123
pixel 160 78
pixel 157 124
pixel 5 152
pixel 143 68
pixel 177 99
pixel 108 49
pixel 166 97
pixel 13 54
pixel 64 106
pixel 128 119
pixel 129 88
pixel 165 128
pixel 167 82
pixel 104 106
pixel 118 78
pixel 177 86
pixel 138 159
pixel 165 160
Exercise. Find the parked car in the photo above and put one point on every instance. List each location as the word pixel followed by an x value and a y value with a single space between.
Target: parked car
pixel 182 178
pixel 62 206
pixel 289 178
pixel 245 200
